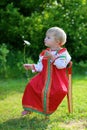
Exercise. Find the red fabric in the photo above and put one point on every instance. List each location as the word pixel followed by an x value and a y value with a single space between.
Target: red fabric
pixel 46 100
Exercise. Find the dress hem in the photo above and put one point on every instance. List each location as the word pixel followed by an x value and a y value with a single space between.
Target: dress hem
pixel 33 110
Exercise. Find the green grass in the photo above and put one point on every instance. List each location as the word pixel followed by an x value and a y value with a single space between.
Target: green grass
pixel 11 92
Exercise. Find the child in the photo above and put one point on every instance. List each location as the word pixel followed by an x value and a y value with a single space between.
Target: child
pixel 46 90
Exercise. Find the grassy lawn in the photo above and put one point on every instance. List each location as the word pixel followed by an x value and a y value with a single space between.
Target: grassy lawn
pixel 10 109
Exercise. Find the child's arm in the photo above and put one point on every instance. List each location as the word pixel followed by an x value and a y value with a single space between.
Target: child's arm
pixel 62 60
pixel 39 66
pixel 34 67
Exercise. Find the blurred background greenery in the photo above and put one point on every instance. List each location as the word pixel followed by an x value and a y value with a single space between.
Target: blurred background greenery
pixel 29 20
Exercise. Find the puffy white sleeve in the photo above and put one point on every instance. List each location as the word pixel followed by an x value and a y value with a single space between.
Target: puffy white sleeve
pixel 39 66
pixel 62 60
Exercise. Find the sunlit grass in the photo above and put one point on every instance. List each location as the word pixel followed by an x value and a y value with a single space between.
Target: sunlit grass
pixel 11 92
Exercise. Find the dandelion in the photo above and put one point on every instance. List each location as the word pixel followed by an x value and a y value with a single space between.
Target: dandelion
pixel 26 42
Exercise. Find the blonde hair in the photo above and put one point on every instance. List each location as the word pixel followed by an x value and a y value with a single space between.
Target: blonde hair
pixel 58 33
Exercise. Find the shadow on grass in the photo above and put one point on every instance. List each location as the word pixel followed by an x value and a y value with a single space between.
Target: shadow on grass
pixel 25 124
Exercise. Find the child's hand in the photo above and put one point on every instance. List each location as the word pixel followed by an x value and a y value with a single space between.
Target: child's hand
pixel 28 66
pixel 49 55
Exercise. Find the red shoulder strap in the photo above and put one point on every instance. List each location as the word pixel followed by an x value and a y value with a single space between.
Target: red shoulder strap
pixel 62 50
pixel 44 51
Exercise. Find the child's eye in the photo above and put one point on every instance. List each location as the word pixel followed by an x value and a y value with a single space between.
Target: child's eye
pixel 48 37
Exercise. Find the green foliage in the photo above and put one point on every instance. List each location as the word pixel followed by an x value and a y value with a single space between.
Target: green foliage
pixel 80 69
pixel 3 59
pixel 31 19
pixel 12 26
pixel 61 13
pixel 15 63
pixel 11 63
pixel 64 16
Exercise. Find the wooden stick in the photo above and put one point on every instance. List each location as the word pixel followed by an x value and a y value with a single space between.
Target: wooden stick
pixel 69 95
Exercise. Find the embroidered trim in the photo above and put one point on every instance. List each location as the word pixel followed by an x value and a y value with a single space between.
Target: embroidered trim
pixel 61 51
pixel 34 110
pixel 46 87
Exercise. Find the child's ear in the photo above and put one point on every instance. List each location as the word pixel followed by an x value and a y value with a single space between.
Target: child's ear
pixel 59 43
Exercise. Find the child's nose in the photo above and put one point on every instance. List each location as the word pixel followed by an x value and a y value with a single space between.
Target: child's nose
pixel 45 40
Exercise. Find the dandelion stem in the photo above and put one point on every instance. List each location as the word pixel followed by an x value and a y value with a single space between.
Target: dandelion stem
pixel 24 53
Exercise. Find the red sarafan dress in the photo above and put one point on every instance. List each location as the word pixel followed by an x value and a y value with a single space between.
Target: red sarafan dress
pixel 46 90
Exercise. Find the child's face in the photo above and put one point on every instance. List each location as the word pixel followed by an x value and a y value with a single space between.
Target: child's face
pixel 50 41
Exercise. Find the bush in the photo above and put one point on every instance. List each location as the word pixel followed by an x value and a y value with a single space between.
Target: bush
pixel 64 16
pixel 3 60
pixel 11 63
pixel 71 16
pixel 13 26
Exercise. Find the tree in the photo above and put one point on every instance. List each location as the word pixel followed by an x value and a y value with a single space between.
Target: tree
pixel 32 18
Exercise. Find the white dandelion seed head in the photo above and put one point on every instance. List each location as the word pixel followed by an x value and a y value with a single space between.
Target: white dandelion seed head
pixel 26 42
